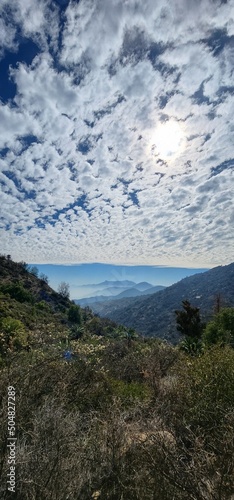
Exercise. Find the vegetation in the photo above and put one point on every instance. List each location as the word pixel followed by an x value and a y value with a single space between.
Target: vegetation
pixel 102 413
pixel 74 314
pixel 221 329
pixel 154 315
pixel 63 290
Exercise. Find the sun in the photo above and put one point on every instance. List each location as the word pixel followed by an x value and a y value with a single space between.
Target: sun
pixel 168 139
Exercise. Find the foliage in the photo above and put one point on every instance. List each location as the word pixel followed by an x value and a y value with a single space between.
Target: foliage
pixel 44 278
pixel 205 389
pixel 96 326
pixel 12 335
pixel 221 329
pixel 81 432
pixel 153 316
pixel 130 391
pixel 189 321
pixel 74 314
pixel 63 290
pixel 17 292
pixel 43 306
pixel 192 346
pixel 122 417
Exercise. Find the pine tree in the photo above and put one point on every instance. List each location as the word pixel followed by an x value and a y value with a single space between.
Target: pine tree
pixel 189 321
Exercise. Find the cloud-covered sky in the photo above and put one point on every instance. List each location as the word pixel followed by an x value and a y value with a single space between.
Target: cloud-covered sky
pixel 116 131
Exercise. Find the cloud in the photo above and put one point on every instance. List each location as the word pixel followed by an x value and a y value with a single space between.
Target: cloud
pixel 82 177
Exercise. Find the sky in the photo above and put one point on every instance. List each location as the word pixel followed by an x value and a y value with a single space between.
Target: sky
pixel 116 132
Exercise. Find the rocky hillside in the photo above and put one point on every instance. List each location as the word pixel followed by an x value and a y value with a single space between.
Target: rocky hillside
pixel 43 316
pixel 154 314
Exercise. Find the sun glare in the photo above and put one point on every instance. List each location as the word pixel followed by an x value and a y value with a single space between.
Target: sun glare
pixel 168 139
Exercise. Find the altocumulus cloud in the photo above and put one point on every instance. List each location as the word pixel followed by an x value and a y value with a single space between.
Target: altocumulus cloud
pixel 116 131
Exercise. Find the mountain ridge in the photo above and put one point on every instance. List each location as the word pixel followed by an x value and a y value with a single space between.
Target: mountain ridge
pixel 153 315
pixel 127 293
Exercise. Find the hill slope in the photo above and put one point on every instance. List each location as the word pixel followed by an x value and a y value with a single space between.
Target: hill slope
pixel 154 314
pixel 46 316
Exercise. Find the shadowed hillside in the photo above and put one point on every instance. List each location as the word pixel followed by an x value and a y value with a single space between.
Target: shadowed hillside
pixel 154 314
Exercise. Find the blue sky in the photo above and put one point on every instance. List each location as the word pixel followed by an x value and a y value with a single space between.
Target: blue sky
pixel 116 132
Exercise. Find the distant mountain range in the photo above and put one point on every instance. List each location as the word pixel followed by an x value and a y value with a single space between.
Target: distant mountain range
pixel 107 290
pixel 154 315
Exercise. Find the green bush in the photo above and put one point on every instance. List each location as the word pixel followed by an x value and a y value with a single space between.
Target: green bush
pixel 129 392
pixel 17 292
pixel 74 314
pixel 43 306
pixel 221 329
pixel 12 335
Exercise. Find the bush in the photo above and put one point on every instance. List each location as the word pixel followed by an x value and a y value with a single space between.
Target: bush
pixel 204 390
pixel 221 329
pixel 128 392
pixel 74 314
pixel 43 306
pixel 17 292
pixel 63 290
pixel 12 335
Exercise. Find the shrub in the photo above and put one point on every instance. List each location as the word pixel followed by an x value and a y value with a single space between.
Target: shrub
pixel 43 306
pixel 221 329
pixel 74 314
pixel 12 335
pixel 204 391
pixel 63 290
pixel 17 292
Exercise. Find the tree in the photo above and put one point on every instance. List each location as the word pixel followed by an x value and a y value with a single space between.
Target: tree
pixel 63 290
pixel 34 271
pixel 44 278
pixel 189 321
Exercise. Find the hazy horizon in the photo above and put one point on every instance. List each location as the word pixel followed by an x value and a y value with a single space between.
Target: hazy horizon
pixel 85 274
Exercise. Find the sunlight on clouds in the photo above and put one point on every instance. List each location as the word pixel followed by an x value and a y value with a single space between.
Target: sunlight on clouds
pixel 169 139
pixel 118 142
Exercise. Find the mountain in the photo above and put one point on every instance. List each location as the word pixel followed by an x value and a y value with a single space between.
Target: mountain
pixel 130 292
pixel 113 291
pixel 154 315
pixel 125 293
pixel 136 292
pixel 118 283
pixel 110 289
pixel 143 286
pixel 89 301
pixel 153 289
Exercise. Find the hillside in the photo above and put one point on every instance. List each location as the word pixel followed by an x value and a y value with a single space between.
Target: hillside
pixel 154 314
pixel 46 317
pixel 102 413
